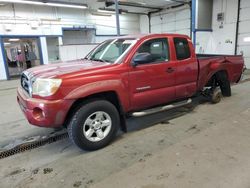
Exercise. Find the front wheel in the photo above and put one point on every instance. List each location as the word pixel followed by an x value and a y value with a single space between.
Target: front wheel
pixel 94 125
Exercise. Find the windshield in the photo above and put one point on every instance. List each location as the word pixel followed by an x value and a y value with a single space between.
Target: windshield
pixel 112 50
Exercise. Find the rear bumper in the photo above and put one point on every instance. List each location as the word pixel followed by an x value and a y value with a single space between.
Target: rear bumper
pixel 43 113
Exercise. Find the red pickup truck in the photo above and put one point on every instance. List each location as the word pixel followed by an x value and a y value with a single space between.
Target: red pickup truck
pixel 130 75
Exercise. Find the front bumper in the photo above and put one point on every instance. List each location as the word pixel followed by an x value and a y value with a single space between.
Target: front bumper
pixel 43 113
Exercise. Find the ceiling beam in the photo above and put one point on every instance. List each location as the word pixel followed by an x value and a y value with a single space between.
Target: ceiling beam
pixel 179 1
pixel 131 4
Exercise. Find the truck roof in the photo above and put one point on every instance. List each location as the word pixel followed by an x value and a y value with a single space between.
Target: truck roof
pixel 140 36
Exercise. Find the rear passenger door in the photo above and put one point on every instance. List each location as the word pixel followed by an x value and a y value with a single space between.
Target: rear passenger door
pixel 186 68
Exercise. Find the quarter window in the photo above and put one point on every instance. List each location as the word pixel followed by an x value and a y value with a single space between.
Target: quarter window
pixel 182 48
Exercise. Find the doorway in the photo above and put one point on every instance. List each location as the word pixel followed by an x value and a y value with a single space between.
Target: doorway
pixel 21 54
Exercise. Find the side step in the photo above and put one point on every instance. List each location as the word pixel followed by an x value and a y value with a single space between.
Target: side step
pixel 161 108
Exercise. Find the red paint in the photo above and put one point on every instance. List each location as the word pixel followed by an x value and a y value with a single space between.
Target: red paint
pixel 82 78
pixel 54 111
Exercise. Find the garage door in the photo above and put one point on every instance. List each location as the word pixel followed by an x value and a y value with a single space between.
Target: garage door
pixel 172 21
pixel 244 31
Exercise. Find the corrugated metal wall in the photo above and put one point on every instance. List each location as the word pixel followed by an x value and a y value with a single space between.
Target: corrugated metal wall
pixel 172 21
pixel 244 31
pixel 222 39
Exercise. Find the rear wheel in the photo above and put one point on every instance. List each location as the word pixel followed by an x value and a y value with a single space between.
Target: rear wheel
pixel 224 84
pixel 216 96
pixel 94 125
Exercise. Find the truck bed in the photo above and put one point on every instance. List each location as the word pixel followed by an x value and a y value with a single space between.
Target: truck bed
pixel 210 63
pixel 201 56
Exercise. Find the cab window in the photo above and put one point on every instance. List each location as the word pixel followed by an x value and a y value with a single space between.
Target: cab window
pixel 182 48
pixel 157 48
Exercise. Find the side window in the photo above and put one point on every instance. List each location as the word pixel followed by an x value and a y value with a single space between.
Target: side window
pixel 182 48
pixel 157 48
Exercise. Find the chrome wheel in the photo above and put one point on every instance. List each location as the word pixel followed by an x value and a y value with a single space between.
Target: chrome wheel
pixel 97 126
pixel 94 125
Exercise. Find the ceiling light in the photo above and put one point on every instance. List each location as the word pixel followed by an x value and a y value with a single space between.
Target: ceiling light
pixel 67 5
pixel 7 43
pixel 22 2
pixel 100 14
pixel 52 4
pixel 103 10
pixel 142 3
pixel 13 40
pixel 246 39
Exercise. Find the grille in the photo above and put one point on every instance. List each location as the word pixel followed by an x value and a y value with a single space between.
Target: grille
pixel 25 83
pixel 27 79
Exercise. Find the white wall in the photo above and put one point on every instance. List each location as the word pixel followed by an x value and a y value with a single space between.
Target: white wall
pixel 72 52
pixel 221 40
pixel 244 31
pixel 144 24
pixel 47 21
pixel 175 20
pixel 53 48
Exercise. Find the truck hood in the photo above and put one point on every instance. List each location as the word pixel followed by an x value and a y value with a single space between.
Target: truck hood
pixel 58 69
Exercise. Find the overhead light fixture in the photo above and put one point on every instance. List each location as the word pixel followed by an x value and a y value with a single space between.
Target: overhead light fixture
pixel 52 3
pixel 7 43
pixel 51 19
pixel 142 3
pixel 14 40
pixel 67 5
pixel 105 10
pixel 246 39
pixel 23 2
pixel 100 14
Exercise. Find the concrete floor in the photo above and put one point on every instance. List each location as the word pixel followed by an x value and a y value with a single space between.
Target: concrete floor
pixel 14 127
pixel 205 146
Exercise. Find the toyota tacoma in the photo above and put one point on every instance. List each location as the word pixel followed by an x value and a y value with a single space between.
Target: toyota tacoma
pixel 121 77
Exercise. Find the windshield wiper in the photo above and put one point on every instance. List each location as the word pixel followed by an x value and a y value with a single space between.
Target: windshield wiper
pixel 95 59
pixel 101 60
pixel 84 58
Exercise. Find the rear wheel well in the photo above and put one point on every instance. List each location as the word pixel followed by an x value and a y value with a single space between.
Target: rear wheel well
pixel 110 96
pixel 220 79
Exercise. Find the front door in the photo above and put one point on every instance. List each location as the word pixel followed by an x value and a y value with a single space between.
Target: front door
pixel 152 83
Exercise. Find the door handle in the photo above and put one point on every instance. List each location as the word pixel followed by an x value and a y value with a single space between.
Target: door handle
pixel 170 70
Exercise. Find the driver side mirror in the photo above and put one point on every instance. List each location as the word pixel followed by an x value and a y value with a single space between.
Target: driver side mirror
pixel 142 58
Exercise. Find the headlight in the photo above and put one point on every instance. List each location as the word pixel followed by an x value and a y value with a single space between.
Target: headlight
pixel 45 87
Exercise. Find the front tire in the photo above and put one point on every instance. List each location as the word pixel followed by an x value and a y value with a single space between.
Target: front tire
pixel 94 125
